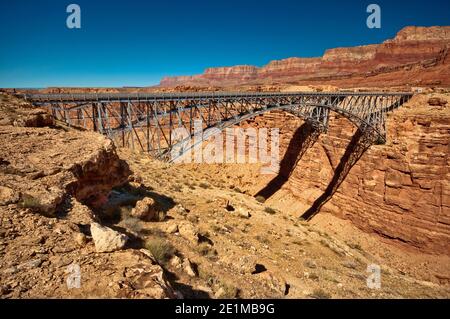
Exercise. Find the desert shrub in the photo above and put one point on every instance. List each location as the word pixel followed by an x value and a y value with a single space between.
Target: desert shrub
pixel 270 210
pixel 112 213
pixel 160 216
pixel 176 188
pixel 320 294
pixel 260 199
pixel 204 185
pixel 206 250
pixel 193 219
pixel 35 205
pixel 30 202
pixel 262 239
pixel 161 249
pixel 354 246
pixel 131 223
pixel 229 291
pixel 313 276
pixel 380 141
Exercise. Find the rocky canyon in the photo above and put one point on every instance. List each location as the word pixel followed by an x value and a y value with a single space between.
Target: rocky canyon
pixel 129 225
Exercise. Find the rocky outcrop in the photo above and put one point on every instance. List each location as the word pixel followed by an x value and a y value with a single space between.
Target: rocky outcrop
pixel 49 171
pixel 43 166
pixel 146 210
pixel 19 113
pixel 425 48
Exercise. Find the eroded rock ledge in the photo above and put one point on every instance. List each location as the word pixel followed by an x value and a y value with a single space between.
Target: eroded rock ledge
pixel 44 165
pixel 48 172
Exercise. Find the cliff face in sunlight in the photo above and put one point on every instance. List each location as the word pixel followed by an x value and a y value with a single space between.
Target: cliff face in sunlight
pixel 394 62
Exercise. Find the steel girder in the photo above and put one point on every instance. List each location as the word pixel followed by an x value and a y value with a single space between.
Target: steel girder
pixel 146 121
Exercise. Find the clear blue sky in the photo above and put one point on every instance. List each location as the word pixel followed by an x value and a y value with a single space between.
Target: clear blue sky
pixel 136 42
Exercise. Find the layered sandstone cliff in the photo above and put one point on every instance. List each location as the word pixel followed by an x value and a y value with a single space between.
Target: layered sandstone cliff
pixel 425 48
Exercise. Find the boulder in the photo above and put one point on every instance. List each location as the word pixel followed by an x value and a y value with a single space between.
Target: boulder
pixel 8 196
pixel 172 229
pixel 80 239
pixel 176 262
pixel 244 213
pixel 189 232
pixel 189 268
pixel 146 210
pixel 106 239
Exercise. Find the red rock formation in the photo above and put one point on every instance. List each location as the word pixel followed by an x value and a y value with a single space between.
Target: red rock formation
pixel 425 48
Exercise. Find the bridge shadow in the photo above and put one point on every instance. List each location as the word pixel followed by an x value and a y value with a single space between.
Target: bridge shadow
pixel 358 145
pixel 304 137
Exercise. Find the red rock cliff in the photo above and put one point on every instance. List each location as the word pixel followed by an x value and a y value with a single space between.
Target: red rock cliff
pixel 413 47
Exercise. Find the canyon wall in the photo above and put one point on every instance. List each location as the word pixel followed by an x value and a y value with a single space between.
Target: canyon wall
pixel 400 190
pixel 424 48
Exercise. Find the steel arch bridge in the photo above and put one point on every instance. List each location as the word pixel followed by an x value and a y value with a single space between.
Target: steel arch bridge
pixel 146 121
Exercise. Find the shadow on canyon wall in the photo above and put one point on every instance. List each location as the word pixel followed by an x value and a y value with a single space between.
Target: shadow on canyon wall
pixel 358 145
pixel 304 138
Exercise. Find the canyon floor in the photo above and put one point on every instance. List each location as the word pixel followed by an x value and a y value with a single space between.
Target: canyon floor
pixel 211 237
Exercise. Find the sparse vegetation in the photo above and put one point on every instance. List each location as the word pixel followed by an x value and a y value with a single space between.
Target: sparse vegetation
pixel 261 239
pixel 193 219
pixel 297 242
pixel 260 199
pixel 132 224
pixel 161 249
pixel 216 228
pixel 176 188
pixel 330 278
pixel 229 291
pixel 206 250
pixel 238 190
pixel 354 246
pixel 314 276
pixel 30 202
pixel 115 213
pixel 320 294
pixel 270 210
pixel 204 185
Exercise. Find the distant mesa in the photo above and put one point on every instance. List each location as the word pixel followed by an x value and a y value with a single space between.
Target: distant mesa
pixel 416 56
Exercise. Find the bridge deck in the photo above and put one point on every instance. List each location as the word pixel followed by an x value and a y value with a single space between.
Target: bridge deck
pixel 124 97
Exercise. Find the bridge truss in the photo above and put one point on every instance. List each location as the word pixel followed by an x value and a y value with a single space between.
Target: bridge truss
pixel 147 121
